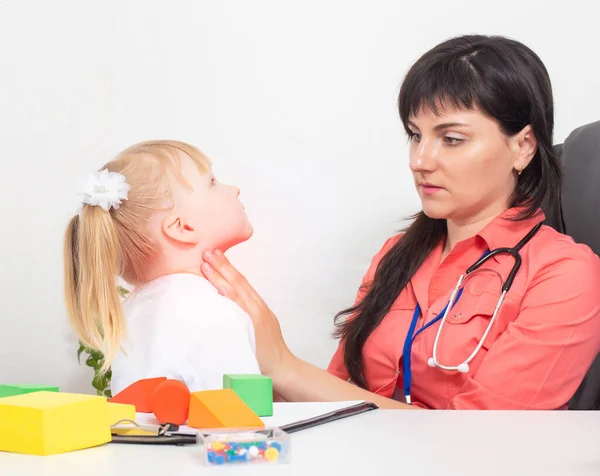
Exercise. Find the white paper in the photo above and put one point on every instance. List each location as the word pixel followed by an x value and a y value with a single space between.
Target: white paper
pixel 286 413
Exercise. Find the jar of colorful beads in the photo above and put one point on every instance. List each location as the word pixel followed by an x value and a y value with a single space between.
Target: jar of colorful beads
pixel 264 445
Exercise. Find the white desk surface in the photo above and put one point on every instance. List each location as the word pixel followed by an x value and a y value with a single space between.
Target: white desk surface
pixel 413 443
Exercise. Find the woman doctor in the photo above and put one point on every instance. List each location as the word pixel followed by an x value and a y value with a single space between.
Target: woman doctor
pixel 478 112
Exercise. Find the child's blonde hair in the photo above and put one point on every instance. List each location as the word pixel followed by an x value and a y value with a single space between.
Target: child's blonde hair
pixel 101 245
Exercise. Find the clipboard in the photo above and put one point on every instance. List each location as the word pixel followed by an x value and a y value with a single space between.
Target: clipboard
pixel 170 439
pixel 329 417
pixel 127 431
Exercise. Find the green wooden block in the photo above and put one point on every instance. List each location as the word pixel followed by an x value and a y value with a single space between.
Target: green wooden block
pixel 10 390
pixel 256 391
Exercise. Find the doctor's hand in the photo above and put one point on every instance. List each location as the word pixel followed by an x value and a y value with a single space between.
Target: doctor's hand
pixel 271 350
pixel 293 379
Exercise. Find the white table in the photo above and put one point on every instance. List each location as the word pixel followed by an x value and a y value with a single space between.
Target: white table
pixel 413 443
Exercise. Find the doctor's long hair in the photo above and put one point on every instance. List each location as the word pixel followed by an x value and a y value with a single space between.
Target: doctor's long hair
pixel 507 81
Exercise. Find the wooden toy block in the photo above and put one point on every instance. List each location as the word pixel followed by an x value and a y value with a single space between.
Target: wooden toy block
pixel 139 394
pixel 171 402
pixel 45 423
pixel 254 389
pixel 221 409
pixel 120 411
pixel 10 390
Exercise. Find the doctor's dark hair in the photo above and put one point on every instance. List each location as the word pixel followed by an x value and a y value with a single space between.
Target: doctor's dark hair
pixel 505 80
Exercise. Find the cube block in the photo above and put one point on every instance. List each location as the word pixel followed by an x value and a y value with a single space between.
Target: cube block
pixel 255 390
pixel 45 423
pixel 10 390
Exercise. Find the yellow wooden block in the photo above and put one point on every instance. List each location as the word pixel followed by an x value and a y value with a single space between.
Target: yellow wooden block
pixel 120 411
pixel 45 423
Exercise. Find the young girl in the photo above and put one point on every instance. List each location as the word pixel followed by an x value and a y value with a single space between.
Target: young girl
pixel 147 217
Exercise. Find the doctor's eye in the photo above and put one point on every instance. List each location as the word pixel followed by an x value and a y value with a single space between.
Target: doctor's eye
pixel 453 141
pixel 413 136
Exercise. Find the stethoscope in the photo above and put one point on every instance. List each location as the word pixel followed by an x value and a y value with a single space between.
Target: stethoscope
pixel 454 297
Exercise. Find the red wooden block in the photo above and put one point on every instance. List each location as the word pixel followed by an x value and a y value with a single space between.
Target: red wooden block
pixel 139 394
pixel 171 402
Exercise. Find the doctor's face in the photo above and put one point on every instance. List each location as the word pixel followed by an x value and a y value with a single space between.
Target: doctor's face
pixel 462 163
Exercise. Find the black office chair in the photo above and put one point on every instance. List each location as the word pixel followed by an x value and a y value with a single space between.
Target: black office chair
pixel 578 215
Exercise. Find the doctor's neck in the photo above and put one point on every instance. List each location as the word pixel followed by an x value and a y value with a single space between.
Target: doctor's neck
pixel 463 229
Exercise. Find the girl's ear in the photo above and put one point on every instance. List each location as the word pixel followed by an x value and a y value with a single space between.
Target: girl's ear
pixel 176 228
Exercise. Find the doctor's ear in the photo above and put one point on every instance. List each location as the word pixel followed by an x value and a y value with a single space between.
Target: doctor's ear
pixel 176 228
pixel 524 144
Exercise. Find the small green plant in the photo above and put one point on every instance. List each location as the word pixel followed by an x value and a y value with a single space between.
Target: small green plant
pixel 95 360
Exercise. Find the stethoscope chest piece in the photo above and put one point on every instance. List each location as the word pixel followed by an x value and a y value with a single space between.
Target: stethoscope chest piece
pixel 462 368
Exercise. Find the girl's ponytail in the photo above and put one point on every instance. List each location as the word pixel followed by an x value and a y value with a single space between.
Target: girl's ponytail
pixel 93 261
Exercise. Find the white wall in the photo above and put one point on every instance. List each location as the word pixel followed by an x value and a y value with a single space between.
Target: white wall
pixel 294 101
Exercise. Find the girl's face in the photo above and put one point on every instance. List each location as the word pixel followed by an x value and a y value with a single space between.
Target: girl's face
pixel 212 214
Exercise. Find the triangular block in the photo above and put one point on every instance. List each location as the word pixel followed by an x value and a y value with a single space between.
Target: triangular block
pixel 139 394
pixel 221 409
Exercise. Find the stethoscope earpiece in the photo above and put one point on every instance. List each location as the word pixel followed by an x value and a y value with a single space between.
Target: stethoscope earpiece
pixel 431 362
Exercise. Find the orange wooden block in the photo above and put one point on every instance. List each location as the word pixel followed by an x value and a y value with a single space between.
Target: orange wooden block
pixel 139 394
pixel 171 402
pixel 221 409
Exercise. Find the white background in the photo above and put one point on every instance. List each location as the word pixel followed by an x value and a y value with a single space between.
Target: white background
pixel 294 101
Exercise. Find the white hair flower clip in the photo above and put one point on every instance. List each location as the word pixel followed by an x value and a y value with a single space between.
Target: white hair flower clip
pixel 105 189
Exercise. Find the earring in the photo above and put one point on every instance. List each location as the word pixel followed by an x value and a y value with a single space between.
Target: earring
pixel 519 170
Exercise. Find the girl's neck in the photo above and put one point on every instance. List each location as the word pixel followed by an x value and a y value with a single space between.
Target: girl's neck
pixel 174 263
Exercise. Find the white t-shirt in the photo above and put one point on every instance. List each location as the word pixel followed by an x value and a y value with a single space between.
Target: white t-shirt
pixel 179 327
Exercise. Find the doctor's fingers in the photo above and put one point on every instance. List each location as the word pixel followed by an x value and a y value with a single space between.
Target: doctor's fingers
pixel 271 350
pixel 230 283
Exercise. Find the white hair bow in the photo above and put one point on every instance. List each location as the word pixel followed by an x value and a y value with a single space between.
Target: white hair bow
pixel 105 189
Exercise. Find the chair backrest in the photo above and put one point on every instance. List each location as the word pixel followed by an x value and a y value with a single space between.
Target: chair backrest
pixel 578 215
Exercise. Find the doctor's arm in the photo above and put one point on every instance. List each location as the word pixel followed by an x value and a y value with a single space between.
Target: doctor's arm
pixel 293 378
pixel 539 361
